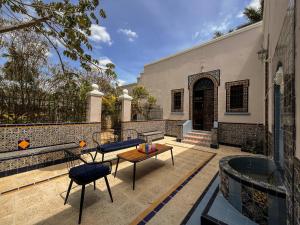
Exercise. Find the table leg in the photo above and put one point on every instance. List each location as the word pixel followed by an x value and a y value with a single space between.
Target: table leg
pixel 117 166
pixel 134 170
pixel 172 156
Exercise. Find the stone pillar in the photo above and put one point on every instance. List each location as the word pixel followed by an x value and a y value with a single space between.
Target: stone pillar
pixel 126 106
pixel 94 104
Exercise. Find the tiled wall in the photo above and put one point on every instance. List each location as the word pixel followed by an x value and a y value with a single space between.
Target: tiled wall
pixel 145 126
pixel 41 135
pixel 239 133
pixel 168 127
pixel 285 54
pixel 297 191
pixel 174 128
pixel 46 134
pixel 260 204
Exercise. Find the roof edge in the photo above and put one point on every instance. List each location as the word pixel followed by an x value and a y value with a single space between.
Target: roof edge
pixel 225 36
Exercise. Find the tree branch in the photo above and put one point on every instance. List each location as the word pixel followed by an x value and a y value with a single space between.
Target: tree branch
pixel 24 25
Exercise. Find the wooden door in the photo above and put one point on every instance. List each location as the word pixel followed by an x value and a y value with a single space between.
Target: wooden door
pixel 208 109
pixel 198 110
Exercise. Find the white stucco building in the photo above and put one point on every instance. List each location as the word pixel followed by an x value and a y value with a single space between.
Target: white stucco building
pixel 248 81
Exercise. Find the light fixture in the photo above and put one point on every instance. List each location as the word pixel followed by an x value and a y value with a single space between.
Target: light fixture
pixel 262 53
pixel 278 79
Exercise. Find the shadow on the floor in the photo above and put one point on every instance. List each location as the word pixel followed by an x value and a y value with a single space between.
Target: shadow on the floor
pixel 98 209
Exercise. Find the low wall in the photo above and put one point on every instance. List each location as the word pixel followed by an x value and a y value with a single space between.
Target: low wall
pixel 46 134
pixel 238 133
pixel 174 128
pixel 40 135
pixel 145 126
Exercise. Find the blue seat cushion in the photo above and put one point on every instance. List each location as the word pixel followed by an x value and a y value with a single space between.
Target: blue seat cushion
pixel 88 173
pixel 120 145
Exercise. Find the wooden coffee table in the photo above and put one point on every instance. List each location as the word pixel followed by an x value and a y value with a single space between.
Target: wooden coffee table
pixel 134 156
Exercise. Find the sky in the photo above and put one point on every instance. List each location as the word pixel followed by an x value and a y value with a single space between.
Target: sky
pixel 138 32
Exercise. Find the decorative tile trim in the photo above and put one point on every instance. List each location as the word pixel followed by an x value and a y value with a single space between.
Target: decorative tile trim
pixel 173 92
pixel 214 76
pixel 151 211
pixel 228 86
pixel 207 219
pixel 192 210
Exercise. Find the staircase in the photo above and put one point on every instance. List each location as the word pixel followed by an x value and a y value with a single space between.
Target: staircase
pixel 196 137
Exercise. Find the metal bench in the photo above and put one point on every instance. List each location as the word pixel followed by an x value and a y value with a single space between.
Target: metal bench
pixel 116 140
pixel 17 161
pixel 152 135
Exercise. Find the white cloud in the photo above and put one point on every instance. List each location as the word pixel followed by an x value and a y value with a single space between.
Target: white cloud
pixel 223 26
pixel 103 61
pixel 121 82
pixel 240 14
pixel 57 42
pixel 196 34
pixel 254 4
pixel 209 28
pixel 131 35
pixel 100 34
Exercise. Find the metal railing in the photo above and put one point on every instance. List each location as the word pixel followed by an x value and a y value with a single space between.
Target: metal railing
pixel 48 109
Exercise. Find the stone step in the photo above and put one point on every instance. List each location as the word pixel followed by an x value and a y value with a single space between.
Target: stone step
pixel 200 143
pixel 201 131
pixel 199 134
pixel 197 138
pixel 201 138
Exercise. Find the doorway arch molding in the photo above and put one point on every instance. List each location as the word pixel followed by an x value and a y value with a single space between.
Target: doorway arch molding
pixel 214 76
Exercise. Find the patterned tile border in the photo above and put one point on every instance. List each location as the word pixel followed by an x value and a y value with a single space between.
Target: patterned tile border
pixel 198 202
pixel 156 206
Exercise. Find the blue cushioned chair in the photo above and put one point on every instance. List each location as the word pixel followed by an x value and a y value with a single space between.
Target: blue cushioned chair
pixel 86 173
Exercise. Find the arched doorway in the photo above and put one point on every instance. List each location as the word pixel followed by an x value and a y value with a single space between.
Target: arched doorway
pixel 203 104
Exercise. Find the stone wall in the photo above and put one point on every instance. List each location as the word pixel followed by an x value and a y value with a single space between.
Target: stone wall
pixel 239 133
pixel 145 126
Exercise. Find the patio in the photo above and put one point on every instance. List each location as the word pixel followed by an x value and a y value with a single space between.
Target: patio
pixel 160 190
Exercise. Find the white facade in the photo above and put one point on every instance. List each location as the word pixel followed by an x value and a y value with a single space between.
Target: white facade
pixel 234 54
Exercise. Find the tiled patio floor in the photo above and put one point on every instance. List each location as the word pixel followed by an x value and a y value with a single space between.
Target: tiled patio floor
pixel 156 179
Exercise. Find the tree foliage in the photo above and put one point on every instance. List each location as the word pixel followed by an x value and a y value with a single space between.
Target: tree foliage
pixel 254 15
pixel 26 55
pixel 142 101
pixel 217 34
pixel 28 81
pixel 67 23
